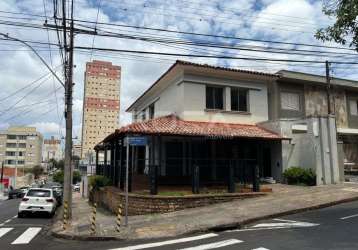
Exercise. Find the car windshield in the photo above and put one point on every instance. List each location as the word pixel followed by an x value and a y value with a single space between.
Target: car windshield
pixel 39 193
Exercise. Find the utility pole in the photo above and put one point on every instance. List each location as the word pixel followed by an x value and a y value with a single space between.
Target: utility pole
pixel 67 183
pixel 328 80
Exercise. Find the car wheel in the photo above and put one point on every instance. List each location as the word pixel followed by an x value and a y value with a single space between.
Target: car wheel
pixel 20 215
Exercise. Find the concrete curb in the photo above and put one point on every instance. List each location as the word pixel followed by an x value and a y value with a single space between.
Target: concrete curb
pixel 217 228
pixel 84 237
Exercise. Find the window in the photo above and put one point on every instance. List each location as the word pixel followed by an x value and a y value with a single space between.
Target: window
pixel 11 145
pixel 21 162
pixel 151 111
pixel 214 98
pixel 290 101
pixel 353 107
pixel 22 137
pixel 11 137
pixel 239 99
pixel 10 162
pixel 10 153
pixel 143 115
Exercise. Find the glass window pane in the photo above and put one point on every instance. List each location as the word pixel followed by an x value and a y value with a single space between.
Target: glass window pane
pixel 234 99
pixel 243 100
pixel 290 101
pixel 219 102
pixel 353 106
pixel 209 98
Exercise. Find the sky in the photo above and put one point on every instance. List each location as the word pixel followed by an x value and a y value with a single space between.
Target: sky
pixel 41 104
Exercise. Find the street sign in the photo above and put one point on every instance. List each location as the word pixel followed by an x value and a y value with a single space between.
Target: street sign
pixel 137 141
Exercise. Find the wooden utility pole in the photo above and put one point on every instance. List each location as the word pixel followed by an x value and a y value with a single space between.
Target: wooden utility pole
pixel 67 182
pixel 328 80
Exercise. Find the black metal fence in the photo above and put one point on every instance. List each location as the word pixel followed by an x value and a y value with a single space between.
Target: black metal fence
pixel 189 171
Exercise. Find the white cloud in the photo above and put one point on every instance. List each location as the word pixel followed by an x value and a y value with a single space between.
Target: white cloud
pixel 46 128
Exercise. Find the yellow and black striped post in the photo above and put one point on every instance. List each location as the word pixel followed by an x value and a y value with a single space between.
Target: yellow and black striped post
pixel 65 215
pixel 119 218
pixel 93 219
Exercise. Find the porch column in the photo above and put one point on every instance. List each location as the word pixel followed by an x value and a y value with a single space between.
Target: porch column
pixel 153 168
pixel 213 159
pixel 116 163
pixel 112 169
pixel 121 166
pixel 105 162
pixel 258 168
pixel 97 167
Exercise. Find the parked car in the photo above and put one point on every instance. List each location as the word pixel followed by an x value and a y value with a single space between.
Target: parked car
pixel 57 190
pixel 38 200
pixel 15 193
pixel 24 191
pixel 76 187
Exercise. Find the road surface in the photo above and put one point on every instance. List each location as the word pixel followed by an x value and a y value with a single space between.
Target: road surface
pixel 330 228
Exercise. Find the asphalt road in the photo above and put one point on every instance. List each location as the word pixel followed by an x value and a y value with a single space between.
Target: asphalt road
pixel 330 228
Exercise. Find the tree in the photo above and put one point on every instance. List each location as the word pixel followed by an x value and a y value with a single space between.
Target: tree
pixel 345 28
pixel 58 177
pixel 60 164
pixel 76 177
pixel 37 171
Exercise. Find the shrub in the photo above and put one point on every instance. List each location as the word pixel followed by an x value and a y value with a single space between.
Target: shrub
pixel 98 181
pixel 59 175
pixel 298 175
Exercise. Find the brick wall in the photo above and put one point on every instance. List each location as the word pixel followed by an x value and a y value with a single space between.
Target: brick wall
pixel 111 197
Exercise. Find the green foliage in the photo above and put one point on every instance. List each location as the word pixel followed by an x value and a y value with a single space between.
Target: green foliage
pixel 97 181
pixel 60 164
pixel 59 175
pixel 56 164
pixel 345 27
pixel 76 177
pixel 37 171
pixel 298 176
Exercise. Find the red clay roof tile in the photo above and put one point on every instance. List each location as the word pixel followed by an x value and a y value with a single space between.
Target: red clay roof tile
pixel 172 125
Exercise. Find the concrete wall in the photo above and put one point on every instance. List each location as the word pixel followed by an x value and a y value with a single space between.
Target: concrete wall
pixel 170 101
pixel 195 103
pixel 313 146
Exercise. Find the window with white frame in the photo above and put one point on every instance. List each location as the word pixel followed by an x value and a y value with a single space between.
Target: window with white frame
pixel 353 107
pixel 239 99
pixel 214 97
pixel 290 101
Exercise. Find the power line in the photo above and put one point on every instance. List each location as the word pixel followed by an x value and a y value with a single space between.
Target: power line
pixel 212 36
pixel 226 46
pixel 207 56
pixel 26 86
pixel 23 97
pixel 95 26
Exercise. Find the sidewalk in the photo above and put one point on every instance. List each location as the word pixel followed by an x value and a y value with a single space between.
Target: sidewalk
pixel 284 200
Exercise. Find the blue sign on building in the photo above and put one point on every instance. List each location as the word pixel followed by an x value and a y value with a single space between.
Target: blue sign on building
pixel 137 141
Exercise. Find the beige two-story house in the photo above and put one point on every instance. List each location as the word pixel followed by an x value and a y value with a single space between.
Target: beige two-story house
pixel 222 119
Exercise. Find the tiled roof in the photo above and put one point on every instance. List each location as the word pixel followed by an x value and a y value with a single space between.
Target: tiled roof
pixel 227 68
pixel 172 125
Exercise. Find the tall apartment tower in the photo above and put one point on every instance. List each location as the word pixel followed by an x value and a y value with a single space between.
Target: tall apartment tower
pixel 100 104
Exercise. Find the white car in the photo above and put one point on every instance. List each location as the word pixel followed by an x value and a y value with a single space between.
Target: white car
pixel 76 187
pixel 38 200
